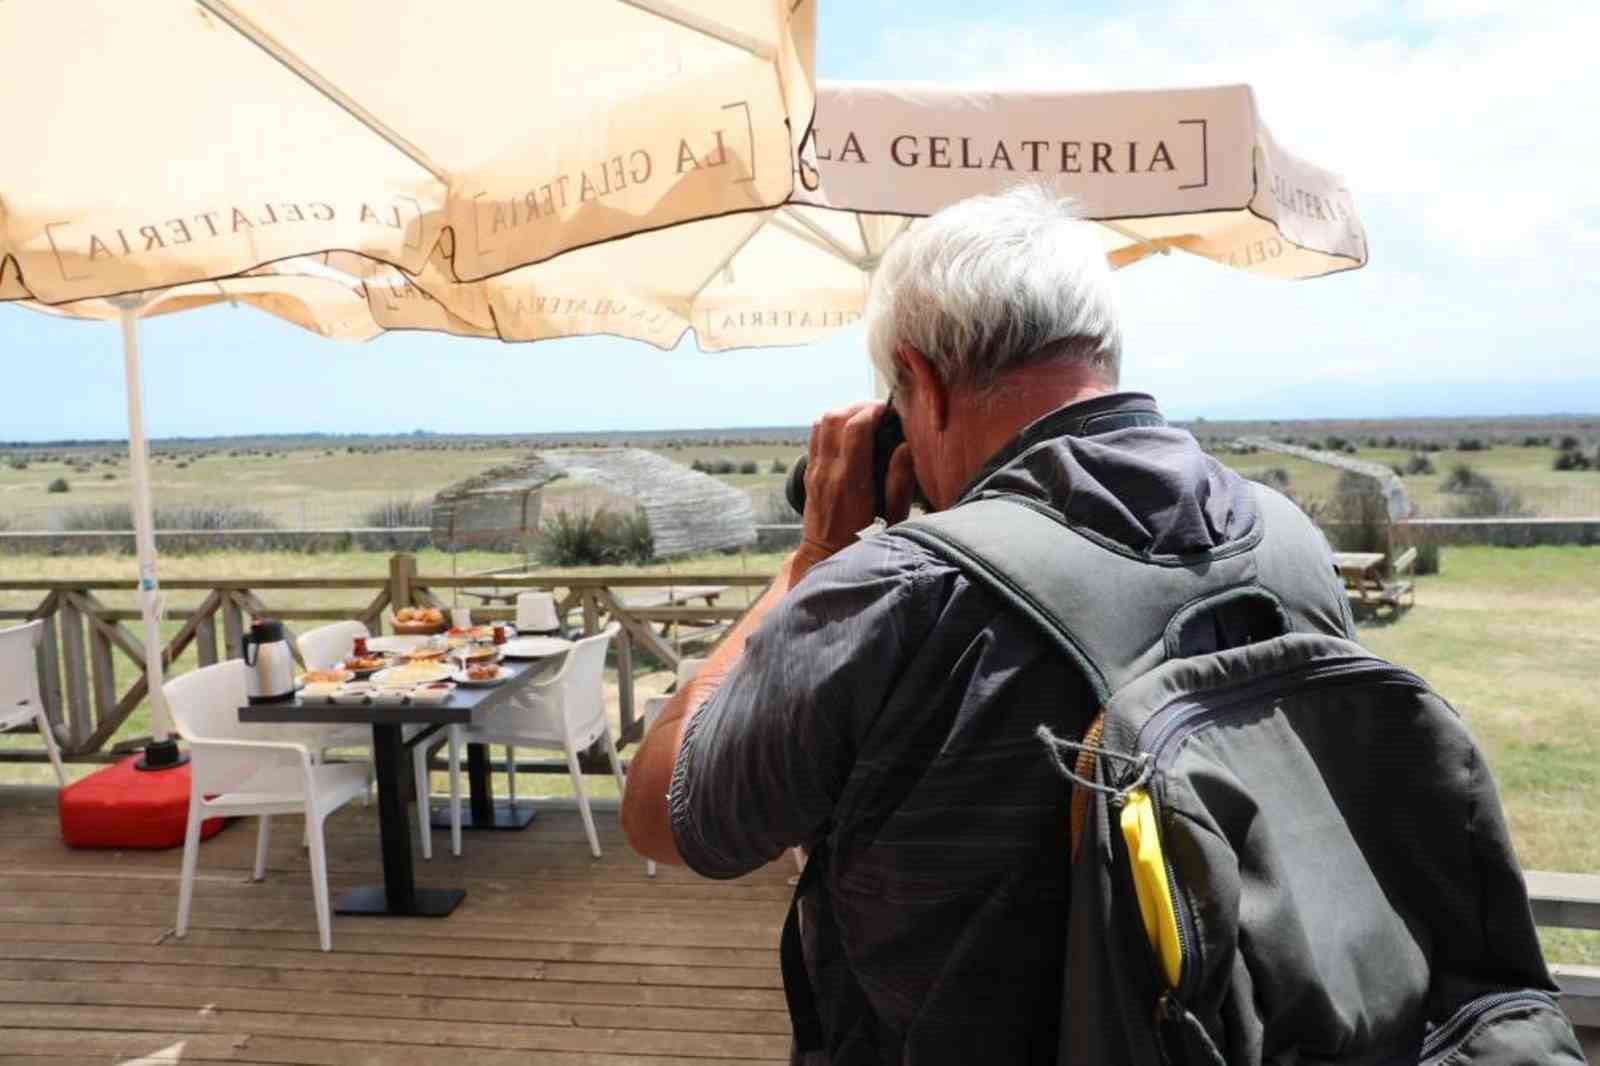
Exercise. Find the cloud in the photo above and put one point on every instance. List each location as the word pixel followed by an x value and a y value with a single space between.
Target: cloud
pixel 1473 119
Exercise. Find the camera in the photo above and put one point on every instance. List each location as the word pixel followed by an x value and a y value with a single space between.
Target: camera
pixel 888 436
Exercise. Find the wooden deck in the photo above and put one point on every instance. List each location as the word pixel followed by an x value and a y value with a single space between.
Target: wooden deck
pixel 553 958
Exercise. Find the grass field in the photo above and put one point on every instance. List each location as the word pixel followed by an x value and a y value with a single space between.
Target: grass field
pixel 330 485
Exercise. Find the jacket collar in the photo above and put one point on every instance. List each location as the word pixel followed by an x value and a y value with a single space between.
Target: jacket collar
pixel 1085 418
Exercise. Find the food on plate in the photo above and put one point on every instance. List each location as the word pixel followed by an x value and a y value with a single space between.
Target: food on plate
pixel 354 692
pixel 432 616
pixel 407 614
pixel 361 663
pixel 419 616
pixel 424 654
pixel 435 693
pixel 480 655
pixel 413 674
pixel 470 632
pixel 319 690
pixel 334 676
pixel 483 672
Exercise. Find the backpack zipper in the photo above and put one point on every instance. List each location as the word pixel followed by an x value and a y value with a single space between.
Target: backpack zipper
pixel 1477 1012
pixel 1179 718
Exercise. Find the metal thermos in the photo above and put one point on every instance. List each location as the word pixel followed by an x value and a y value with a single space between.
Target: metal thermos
pixel 269 673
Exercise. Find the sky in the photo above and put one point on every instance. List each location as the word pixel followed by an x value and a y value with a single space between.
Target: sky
pixel 1464 128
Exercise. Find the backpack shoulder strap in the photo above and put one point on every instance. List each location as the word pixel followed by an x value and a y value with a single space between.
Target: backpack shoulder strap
pixel 1116 613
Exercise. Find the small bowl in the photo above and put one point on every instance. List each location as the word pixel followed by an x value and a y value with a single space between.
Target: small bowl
pixel 432 695
pixel 354 692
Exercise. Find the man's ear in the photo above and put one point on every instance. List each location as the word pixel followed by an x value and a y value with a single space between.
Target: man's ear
pixel 927 383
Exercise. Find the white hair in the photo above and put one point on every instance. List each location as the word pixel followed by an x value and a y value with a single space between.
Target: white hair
pixel 993 283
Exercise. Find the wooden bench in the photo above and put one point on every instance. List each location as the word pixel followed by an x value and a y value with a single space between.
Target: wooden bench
pixel 1371 584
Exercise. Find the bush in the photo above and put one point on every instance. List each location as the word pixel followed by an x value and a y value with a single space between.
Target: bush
pixel 581 537
pixel 779 467
pixel 398 512
pixel 1571 460
pixel 1419 463
pixel 1358 514
pixel 700 466
pixel 1535 441
pixel 58 485
pixel 1569 443
pixel 1275 476
pixel 721 466
pixel 749 466
pixel 19 464
pixel 1470 444
pixel 1464 480
pixel 1491 501
pixel 118 517
pixel 108 476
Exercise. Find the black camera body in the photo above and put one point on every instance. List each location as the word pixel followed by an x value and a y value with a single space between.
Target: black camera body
pixel 888 436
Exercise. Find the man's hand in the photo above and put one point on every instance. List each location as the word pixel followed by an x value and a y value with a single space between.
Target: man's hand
pixel 839 492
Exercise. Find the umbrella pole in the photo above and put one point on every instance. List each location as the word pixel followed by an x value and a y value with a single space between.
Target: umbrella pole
pixel 161 753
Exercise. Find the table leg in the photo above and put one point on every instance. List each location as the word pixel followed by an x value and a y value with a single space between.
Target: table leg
pixel 484 811
pixel 399 894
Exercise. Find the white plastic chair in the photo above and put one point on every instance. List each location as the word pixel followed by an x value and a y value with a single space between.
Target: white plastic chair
pixel 238 769
pixel 653 706
pixel 536 613
pixel 20 700
pixel 567 711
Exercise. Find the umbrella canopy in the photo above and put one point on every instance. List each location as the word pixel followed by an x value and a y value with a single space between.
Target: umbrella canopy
pixel 1187 169
pixel 158 143
pixel 1191 170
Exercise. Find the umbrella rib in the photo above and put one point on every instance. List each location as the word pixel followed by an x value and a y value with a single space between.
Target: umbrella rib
pixel 820 237
pixel 725 260
pixel 1154 247
pixel 699 23
pixel 303 70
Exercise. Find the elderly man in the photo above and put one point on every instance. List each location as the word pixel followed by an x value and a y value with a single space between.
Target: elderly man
pixel 877 706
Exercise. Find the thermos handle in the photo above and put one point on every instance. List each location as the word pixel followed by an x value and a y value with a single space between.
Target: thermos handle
pixel 245 644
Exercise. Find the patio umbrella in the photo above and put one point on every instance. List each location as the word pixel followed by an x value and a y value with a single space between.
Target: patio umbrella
pixel 159 144
pixel 1190 170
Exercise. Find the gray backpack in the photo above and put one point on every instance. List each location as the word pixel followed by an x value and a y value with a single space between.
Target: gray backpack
pixel 1286 850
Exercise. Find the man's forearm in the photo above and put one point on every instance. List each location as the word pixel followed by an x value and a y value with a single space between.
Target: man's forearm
pixel 646 818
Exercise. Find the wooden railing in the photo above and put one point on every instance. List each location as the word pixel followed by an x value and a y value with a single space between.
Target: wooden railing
pixel 84 637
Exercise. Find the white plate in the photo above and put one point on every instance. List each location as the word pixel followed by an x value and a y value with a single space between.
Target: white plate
pixel 394 645
pixel 414 674
pixel 460 677
pixel 534 647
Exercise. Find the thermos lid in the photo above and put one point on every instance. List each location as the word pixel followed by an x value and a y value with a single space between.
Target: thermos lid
pixel 266 631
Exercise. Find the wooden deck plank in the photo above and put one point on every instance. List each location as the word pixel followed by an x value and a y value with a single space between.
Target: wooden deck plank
pixel 554 957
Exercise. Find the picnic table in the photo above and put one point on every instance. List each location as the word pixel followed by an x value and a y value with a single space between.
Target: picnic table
pixel 399 894
pixel 1372 580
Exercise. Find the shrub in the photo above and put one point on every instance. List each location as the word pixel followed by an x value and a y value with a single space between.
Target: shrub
pixel 635 539
pixel 118 517
pixel 19 464
pixel 1490 501
pixel 1463 479
pixel 1275 476
pixel 1357 519
pixel 1334 443
pixel 183 465
pixel 398 512
pixel 749 466
pixel 58 485
pixel 1470 444
pixel 700 465
pixel 1571 460
pixel 1535 441
pixel 1569 443
pixel 581 537
pixel 1419 463
pixel 779 467
pixel 108 476
pixel 722 466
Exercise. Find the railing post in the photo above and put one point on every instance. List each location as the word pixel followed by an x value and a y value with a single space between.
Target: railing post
pixel 624 680
pixel 50 670
pixel 232 626
pixel 104 675
pixel 402 577
pixel 205 636
pixel 80 723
